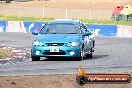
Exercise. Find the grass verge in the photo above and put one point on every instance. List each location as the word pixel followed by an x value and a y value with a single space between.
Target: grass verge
pixel 109 22
pixel 4 53
pixel 32 19
pixel 28 19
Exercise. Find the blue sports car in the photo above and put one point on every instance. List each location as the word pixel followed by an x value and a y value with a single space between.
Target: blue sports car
pixel 63 38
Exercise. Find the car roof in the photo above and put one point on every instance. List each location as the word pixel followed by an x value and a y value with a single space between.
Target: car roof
pixel 68 21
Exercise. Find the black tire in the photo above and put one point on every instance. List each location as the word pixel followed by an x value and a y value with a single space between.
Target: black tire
pixel 81 57
pixel 93 44
pixel 35 58
pixel 81 80
pixel 90 55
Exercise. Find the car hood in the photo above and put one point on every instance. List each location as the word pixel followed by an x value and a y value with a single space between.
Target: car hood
pixel 58 38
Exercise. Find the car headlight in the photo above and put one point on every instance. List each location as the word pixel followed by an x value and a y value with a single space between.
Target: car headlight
pixel 36 43
pixel 73 44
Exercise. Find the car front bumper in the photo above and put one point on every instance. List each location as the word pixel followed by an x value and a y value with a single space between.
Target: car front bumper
pixel 41 51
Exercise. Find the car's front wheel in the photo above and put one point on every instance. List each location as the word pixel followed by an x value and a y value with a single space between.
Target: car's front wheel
pixel 35 58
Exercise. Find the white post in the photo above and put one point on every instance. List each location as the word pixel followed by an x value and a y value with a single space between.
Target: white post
pixel 20 12
pixel 90 16
pixel 66 14
pixel 43 12
pixel 117 2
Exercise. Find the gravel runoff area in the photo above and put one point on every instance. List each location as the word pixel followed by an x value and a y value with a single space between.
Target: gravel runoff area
pixel 52 81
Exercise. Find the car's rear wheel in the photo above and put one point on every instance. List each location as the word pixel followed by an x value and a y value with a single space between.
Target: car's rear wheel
pixel 35 58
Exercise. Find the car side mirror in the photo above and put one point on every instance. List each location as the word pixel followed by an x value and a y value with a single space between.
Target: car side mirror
pixel 87 34
pixel 35 33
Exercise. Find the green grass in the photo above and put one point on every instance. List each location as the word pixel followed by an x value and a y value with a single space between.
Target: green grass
pixel 4 53
pixel 32 19
pixel 109 22
pixel 29 19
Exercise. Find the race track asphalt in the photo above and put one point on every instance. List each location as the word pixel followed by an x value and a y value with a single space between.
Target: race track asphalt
pixel 112 55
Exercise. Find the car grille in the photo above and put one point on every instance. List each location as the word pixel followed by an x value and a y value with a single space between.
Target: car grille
pixel 61 52
pixel 54 44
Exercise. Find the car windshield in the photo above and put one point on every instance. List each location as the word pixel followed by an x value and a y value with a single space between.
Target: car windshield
pixel 60 29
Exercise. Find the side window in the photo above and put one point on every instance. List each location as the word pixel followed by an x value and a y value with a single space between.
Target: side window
pixel 83 28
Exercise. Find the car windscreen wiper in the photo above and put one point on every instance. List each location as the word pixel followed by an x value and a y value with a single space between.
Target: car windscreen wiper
pixel 72 33
pixel 52 33
pixel 48 33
